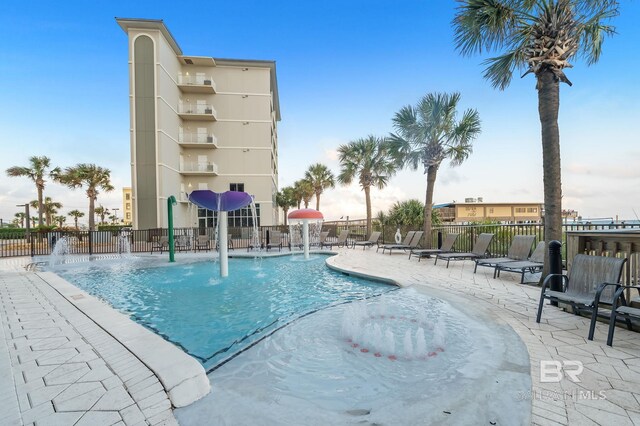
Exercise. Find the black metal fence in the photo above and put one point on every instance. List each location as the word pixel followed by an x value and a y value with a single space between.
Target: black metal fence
pixel 139 241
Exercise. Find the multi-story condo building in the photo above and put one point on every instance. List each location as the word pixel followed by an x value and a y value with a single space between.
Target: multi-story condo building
pixel 198 123
pixel 127 206
pixel 473 210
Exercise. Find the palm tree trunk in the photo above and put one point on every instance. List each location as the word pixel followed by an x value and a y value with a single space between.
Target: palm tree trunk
pixel 40 204
pixel 92 207
pixel 367 197
pixel 548 106
pixel 285 210
pixel 318 201
pixel 75 220
pixel 432 171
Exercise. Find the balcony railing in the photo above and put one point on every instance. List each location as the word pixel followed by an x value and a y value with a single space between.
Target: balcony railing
pixel 196 83
pixel 208 167
pixel 198 139
pixel 197 112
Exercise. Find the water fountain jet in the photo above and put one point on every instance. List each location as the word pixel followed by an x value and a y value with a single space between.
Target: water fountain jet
pixel 304 216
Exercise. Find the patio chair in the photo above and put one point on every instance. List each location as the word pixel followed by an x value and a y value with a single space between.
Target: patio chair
pixel 412 245
pixel 585 287
pixel 518 250
pixel 622 309
pixel 341 241
pixel 478 251
pixel 407 240
pixel 447 247
pixel 203 243
pixel 373 239
pixel 182 243
pixel 160 245
pixel 229 243
pixel 533 265
pixel 275 240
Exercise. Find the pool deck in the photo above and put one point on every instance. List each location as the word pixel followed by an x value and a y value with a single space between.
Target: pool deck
pixel 58 366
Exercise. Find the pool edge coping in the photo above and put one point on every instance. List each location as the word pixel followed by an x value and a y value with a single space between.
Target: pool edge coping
pixel 183 378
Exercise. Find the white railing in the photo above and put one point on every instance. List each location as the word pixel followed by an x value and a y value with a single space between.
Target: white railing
pixel 204 167
pixel 196 80
pixel 196 109
pixel 203 138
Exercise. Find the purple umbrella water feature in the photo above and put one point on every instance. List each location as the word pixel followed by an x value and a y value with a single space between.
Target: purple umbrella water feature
pixel 221 202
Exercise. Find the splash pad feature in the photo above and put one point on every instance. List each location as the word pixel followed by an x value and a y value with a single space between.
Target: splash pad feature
pixel 221 202
pixel 304 216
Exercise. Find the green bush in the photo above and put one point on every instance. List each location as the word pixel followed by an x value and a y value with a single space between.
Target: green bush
pixel 12 233
pixel 113 227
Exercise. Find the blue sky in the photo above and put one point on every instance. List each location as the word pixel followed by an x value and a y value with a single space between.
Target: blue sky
pixel 344 68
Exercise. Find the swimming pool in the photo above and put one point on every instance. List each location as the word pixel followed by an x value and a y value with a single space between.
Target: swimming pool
pixel 213 318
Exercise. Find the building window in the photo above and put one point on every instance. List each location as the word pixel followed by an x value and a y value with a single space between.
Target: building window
pixel 532 210
pixel 490 209
pixel 127 196
pixel 128 206
pixel 520 210
pixel 236 187
pixel 237 218
pixel 128 216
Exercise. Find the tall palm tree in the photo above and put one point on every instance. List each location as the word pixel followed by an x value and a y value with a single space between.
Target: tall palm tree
pixel 297 194
pixel 285 199
pixel 75 214
pixel 93 178
pixel 37 170
pixel 538 37
pixel 304 192
pixel 102 212
pixel 321 178
pixel 113 218
pixel 49 208
pixel 369 161
pixel 428 134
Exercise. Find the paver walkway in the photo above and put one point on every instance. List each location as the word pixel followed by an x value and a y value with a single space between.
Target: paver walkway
pixel 57 367
pixel 609 389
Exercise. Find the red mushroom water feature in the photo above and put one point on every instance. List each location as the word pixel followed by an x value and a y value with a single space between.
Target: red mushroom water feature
pixel 304 216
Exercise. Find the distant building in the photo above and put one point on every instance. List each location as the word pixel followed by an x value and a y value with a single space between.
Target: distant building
pixel 480 211
pixel 198 122
pixel 127 206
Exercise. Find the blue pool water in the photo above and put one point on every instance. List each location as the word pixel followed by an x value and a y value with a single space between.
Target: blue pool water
pixel 213 318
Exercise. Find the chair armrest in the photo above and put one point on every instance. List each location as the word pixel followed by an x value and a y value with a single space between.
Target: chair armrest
pixel 565 281
pixel 600 289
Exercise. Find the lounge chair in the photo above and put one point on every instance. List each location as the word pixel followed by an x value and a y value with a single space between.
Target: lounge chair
pixel 518 250
pixel 229 243
pixel 478 251
pixel 407 240
pixel 533 265
pixel 182 243
pixel 203 243
pixel 412 245
pixel 341 241
pixel 585 287
pixel 373 240
pixel 275 240
pixel 321 239
pixel 621 308
pixel 160 245
pixel 447 247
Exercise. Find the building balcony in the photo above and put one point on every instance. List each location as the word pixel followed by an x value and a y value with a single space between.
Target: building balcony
pixel 199 168
pixel 198 140
pixel 196 84
pixel 197 112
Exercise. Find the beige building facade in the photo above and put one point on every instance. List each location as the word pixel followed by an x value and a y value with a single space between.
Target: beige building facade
pixel 127 206
pixel 198 123
pixel 499 212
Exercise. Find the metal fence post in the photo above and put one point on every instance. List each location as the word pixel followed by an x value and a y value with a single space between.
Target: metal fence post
pixel 91 242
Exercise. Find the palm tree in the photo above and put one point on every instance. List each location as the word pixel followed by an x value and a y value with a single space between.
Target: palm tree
pixel 304 192
pixel 113 218
pixel 368 160
pixel 102 212
pixel 90 176
pixel 36 171
pixel 60 220
pixel 320 178
pixel 285 199
pixel 75 214
pixel 538 37
pixel 428 134
pixel 50 208
pixel 33 221
pixel 20 217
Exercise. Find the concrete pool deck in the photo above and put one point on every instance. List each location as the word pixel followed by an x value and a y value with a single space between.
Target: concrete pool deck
pixel 58 366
